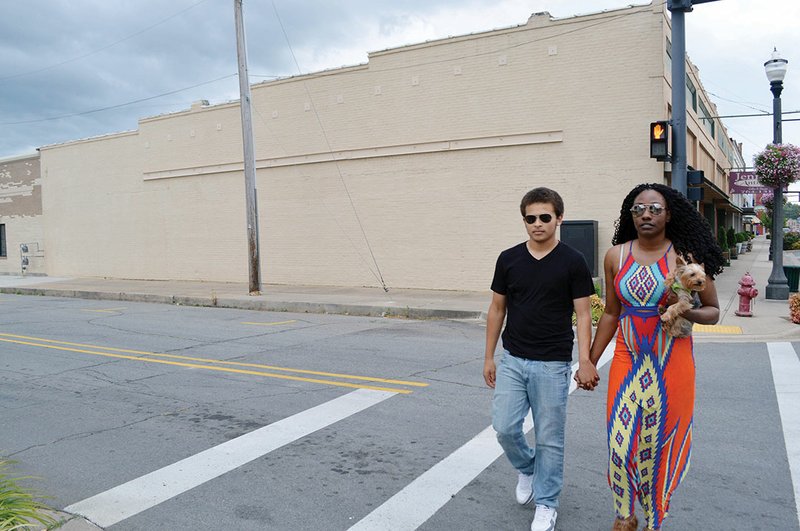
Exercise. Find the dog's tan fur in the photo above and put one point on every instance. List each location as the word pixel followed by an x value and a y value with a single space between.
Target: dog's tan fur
pixel 630 523
pixel 686 279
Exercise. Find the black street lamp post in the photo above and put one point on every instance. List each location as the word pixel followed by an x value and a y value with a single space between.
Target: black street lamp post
pixel 778 285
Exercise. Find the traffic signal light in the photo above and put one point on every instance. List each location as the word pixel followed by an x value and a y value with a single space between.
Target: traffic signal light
pixel 659 140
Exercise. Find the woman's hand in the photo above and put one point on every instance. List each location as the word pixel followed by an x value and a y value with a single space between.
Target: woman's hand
pixel 586 376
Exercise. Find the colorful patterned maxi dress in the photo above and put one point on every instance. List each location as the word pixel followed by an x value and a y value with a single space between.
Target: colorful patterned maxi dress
pixel 650 397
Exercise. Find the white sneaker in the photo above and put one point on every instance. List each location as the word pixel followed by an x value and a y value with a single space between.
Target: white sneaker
pixel 524 489
pixel 545 519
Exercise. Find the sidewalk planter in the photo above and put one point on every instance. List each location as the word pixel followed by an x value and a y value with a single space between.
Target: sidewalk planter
pixel 794 307
pixel 733 254
pixel 793 276
pixel 727 257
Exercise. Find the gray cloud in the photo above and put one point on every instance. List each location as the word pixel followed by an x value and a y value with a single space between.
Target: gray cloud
pixel 181 43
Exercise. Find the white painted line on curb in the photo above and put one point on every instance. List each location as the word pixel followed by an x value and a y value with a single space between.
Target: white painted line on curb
pixel 117 504
pixel 785 375
pixel 420 499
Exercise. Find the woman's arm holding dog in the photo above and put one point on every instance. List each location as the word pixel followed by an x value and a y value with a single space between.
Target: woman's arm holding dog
pixel 708 312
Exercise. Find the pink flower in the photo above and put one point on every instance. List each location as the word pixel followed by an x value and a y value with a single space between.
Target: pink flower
pixel 778 165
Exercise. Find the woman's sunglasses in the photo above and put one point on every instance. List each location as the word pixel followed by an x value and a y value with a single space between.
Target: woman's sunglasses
pixel 531 219
pixel 655 209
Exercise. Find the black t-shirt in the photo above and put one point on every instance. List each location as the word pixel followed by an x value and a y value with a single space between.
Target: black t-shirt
pixel 539 300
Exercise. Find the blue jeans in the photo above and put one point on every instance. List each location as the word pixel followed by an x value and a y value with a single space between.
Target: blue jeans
pixel 542 387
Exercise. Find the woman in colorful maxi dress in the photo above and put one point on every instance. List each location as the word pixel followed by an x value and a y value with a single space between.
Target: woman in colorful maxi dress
pixel 651 382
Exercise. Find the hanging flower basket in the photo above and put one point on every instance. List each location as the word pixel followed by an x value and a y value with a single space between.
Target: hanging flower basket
pixel 768 200
pixel 778 165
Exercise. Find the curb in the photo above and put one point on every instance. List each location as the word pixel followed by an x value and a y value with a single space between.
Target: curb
pixel 67 522
pixel 362 310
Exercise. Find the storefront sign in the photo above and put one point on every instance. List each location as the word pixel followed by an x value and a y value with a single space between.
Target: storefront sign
pixel 746 182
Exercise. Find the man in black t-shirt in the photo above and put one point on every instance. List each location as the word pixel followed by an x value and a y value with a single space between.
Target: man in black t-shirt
pixel 536 286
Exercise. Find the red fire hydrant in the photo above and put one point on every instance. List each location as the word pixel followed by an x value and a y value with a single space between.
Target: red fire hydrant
pixel 746 293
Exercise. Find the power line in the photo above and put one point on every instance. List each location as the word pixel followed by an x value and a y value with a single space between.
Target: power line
pixel 610 17
pixel 379 275
pixel 106 47
pixel 82 113
pixel 743 104
pixel 746 115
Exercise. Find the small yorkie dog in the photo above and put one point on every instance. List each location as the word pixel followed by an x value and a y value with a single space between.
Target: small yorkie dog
pixel 685 281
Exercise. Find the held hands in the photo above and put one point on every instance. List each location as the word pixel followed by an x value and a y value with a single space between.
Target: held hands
pixel 586 376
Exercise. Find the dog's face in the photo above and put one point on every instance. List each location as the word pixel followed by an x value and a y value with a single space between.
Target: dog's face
pixel 691 276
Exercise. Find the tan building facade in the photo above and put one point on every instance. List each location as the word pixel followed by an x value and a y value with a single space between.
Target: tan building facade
pixel 21 221
pixel 406 171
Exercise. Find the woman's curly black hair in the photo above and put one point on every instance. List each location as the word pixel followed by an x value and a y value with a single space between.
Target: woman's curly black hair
pixel 688 231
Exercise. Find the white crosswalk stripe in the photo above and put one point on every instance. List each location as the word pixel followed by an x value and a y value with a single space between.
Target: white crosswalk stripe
pixel 786 375
pixel 417 502
pixel 124 501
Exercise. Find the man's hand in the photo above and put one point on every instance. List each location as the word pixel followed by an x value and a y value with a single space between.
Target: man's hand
pixel 489 372
pixel 586 376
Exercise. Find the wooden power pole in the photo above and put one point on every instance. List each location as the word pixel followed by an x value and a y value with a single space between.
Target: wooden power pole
pixel 253 259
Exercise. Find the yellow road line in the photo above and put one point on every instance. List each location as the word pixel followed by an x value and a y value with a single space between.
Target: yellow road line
pixel 717 329
pixel 270 324
pixel 221 362
pixel 208 367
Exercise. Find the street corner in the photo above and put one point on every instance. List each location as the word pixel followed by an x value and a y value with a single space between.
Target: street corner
pixel 66 522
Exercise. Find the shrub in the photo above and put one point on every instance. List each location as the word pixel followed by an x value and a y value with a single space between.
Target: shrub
pixel 597 306
pixel 598 288
pixel 789 239
pixel 722 238
pixel 794 307
pixel 18 507
pixel 741 237
pixel 796 246
pixel 731 237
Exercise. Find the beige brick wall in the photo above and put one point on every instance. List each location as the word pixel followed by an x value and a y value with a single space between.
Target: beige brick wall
pixel 436 143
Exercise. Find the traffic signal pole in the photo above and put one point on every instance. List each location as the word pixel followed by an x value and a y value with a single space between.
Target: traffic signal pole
pixel 679 98
pixel 679 8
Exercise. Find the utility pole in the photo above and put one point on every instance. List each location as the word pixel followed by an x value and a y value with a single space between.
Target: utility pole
pixel 253 259
pixel 679 8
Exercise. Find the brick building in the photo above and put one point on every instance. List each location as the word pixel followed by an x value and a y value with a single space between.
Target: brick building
pixel 21 222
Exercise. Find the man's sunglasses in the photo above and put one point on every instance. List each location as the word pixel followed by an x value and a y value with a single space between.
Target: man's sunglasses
pixel 531 219
pixel 655 209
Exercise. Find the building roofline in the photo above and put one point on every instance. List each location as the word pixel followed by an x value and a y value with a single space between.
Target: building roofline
pixel 17 158
pixel 90 139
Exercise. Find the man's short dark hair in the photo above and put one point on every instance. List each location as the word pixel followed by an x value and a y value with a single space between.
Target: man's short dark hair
pixel 543 195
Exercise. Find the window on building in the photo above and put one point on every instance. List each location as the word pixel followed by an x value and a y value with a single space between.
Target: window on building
pixel 691 90
pixel 3 239
pixel 669 55
pixel 705 118
pixel 691 94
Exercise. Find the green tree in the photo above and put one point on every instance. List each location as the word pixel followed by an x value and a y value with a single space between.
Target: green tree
pixel 722 238
pixel 791 210
pixel 765 218
pixel 731 237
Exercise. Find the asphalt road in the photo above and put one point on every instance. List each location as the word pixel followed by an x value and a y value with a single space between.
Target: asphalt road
pixel 334 420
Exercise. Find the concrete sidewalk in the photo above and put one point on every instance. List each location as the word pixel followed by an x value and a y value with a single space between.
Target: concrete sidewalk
pixel 770 320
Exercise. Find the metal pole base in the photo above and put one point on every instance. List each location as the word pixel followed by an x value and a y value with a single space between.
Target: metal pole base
pixel 777 292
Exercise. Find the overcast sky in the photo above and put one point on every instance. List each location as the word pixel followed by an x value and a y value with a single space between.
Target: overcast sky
pixel 72 69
